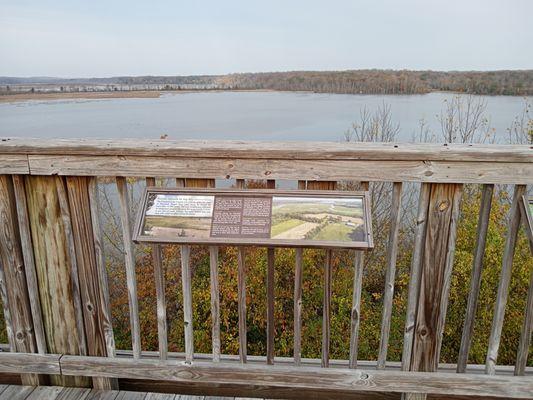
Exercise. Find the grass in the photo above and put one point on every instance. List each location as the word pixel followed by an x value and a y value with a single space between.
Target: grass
pixel 337 231
pixel 176 222
pixel 285 226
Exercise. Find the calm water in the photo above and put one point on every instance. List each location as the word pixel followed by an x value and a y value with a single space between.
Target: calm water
pixel 233 115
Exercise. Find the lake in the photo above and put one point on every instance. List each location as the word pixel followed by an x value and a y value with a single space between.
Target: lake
pixel 234 115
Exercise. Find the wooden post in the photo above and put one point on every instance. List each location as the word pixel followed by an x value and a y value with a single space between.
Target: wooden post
pixel 97 318
pixel 437 262
pixel 55 262
pixel 13 286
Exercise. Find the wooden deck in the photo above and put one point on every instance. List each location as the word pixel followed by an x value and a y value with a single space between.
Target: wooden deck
pixel 16 392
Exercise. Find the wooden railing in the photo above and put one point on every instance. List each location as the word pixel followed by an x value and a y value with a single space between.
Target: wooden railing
pixel 56 296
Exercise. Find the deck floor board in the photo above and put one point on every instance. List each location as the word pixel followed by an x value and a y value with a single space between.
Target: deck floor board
pixel 17 392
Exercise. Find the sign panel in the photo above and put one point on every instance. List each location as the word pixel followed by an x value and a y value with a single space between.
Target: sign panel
pixel 527 203
pixel 256 217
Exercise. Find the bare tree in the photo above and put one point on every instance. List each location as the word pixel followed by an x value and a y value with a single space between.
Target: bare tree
pixel 521 129
pixel 463 120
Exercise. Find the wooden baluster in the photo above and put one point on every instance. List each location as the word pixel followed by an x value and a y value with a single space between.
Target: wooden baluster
pixel 297 353
pixel 505 280
pixel 159 278
pixel 388 292
pixel 95 311
pixel 129 257
pixel 19 191
pixel 270 305
pixel 298 306
pixel 437 262
pixel 359 263
pixel 241 295
pixel 186 275
pixel 105 305
pixel 326 307
pixel 475 278
pixel 215 302
pixel 414 279
pixel 527 327
pixel 271 184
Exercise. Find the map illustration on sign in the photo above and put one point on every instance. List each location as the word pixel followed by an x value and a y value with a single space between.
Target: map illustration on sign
pixel 255 217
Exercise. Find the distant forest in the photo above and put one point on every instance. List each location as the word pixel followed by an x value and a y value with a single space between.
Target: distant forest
pixel 350 82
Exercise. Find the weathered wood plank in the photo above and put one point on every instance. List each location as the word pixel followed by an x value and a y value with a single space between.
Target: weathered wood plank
pixel 505 280
pixel 301 378
pixel 95 310
pixel 355 314
pixel 161 396
pixel 527 331
pixel 414 278
pixel 97 394
pixel 29 262
pixel 437 263
pixel 46 393
pixel 268 149
pixel 186 280
pixel 126 395
pixel 475 278
pixel 14 392
pixel 70 393
pixel 14 164
pixel 129 256
pixel 7 314
pixel 159 278
pixel 326 310
pixel 13 280
pixel 29 363
pixel 390 275
pixel 312 170
pixel 298 274
pixel 215 302
pixel 105 304
pixel 241 289
pixel 270 305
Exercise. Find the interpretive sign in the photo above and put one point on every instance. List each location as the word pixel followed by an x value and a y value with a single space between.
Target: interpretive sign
pixel 256 217
pixel 527 203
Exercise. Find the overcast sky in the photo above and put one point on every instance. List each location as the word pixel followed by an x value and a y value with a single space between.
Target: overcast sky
pixel 84 38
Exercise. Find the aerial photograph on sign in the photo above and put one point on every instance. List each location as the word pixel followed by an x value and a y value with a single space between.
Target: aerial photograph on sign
pixel 171 216
pixel 318 218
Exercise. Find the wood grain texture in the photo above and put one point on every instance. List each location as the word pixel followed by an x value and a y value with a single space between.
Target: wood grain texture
pixel 355 314
pixel 475 277
pixel 10 334
pixel 29 363
pixel 294 150
pixel 270 305
pixel 298 277
pixel 160 284
pixel 69 393
pixel 241 289
pixel 312 170
pixel 56 270
pixel 129 256
pixel 297 378
pixel 13 280
pixel 105 304
pixel 96 318
pixel 414 277
pixel 505 280
pixel 14 164
pixel 390 274
pixel 525 334
pixel 45 393
pixel 437 263
pixel 215 302
pixel 29 262
pixel 326 310
pixel 14 392
pixel 186 281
